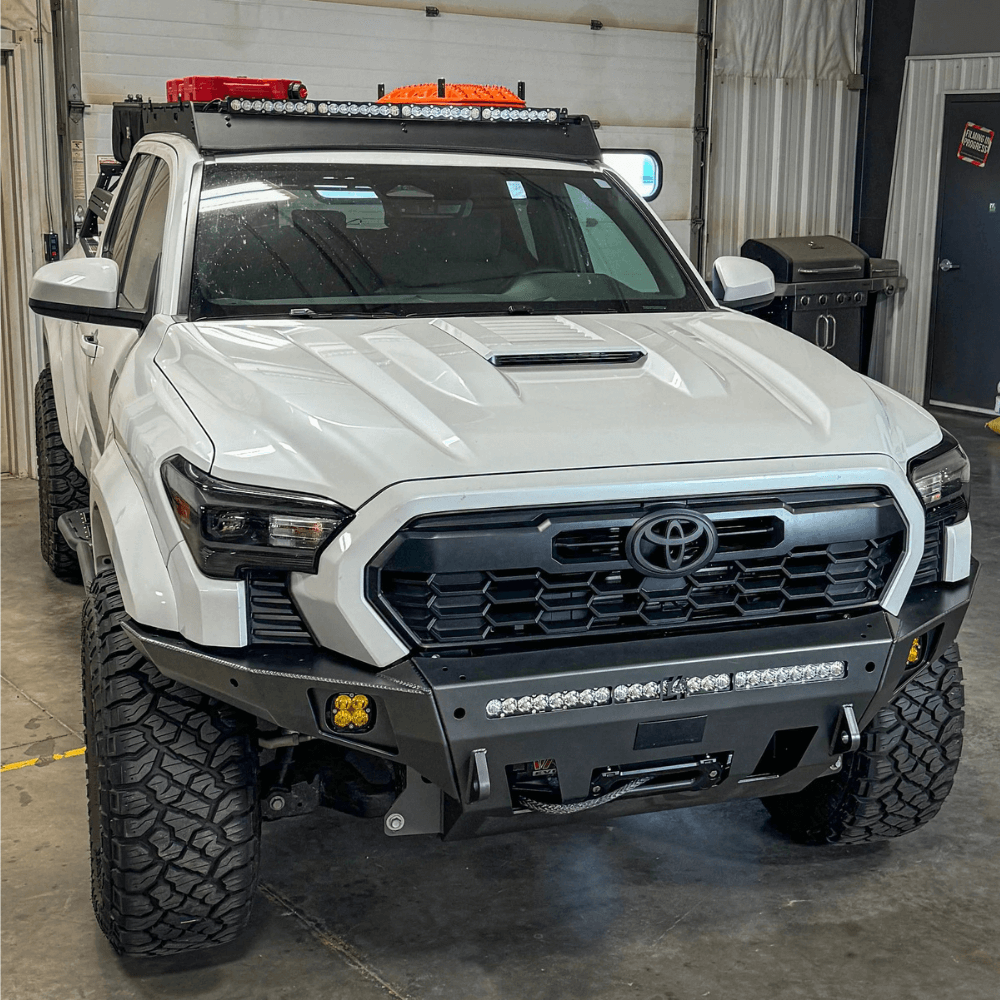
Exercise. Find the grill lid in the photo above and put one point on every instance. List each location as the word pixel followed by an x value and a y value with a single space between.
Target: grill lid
pixel 808 258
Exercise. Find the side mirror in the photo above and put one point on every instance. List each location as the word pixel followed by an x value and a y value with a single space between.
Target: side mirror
pixel 742 283
pixel 82 289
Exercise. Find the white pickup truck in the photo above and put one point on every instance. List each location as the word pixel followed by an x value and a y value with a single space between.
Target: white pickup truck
pixel 413 470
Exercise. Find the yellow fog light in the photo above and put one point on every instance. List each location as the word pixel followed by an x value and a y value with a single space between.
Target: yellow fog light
pixel 916 650
pixel 354 713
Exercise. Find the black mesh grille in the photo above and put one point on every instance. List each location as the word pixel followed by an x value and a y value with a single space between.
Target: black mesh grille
pixel 273 618
pixel 950 512
pixel 457 582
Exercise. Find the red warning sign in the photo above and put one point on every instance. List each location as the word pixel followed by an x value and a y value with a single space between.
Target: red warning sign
pixel 975 144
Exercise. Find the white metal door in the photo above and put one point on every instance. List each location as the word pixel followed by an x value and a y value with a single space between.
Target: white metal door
pixel 636 75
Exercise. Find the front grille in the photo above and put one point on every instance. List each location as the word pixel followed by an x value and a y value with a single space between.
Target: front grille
pixel 607 544
pixel 541 575
pixel 949 512
pixel 272 617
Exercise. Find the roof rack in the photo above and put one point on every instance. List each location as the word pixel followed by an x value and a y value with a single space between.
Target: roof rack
pixel 239 126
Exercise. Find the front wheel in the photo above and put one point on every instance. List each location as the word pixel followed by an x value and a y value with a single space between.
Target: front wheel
pixel 899 778
pixel 172 796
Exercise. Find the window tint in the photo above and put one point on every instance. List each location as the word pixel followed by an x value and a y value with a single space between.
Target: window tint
pixel 120 227
pixel 147 243
pixel 610 251
pixel 426 239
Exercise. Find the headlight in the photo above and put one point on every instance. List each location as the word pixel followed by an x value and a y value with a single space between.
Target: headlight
pixel 941 474
pixel 230 527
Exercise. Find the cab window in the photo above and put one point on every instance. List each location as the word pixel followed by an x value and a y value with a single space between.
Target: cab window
pixel 142 263
pixel 122 222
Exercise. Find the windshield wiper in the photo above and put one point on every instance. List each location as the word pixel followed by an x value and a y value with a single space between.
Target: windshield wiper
pixel 306 313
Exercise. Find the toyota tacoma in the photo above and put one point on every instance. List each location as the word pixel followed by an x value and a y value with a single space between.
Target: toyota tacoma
pixel 412 470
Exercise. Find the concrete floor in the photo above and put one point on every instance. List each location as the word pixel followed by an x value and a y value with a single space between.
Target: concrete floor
pixel 707 902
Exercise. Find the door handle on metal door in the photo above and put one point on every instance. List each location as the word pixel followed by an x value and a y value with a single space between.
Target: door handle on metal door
pixel 89 345
pixel 946 265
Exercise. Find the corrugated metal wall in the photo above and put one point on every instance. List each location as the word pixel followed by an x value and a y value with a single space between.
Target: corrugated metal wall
pixel 784 124
pixel 902 325
pixel 636 76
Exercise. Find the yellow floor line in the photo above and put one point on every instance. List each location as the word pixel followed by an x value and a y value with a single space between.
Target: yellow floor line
pixel 35 760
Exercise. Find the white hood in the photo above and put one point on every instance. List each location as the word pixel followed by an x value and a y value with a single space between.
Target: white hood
pixel 347 407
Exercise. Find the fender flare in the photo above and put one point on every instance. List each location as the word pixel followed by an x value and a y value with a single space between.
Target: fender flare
pixel 122 530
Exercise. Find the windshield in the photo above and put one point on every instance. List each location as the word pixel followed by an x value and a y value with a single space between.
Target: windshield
pixel 336 239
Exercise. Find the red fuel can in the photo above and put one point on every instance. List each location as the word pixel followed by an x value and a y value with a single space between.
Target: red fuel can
pixel 213 88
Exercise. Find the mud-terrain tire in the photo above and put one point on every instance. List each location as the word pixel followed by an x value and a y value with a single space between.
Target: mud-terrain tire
pixel 61 486
pixel 172 797
pixel 899 778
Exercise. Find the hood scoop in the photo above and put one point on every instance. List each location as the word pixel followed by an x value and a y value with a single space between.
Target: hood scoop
pixel 566 358
pixel 530 341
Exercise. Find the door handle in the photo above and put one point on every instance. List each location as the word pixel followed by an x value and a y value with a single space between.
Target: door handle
pixel 946 265
pixel 89 345
pixel 826 331
pixel 821 331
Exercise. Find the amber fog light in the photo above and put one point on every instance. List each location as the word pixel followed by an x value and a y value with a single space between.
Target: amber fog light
pixel 916 653
pixel 351 713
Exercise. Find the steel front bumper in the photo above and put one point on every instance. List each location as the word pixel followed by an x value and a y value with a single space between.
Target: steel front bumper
pixel 430 712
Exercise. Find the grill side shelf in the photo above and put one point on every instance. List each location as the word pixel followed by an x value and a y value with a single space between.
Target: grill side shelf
pixel 272 616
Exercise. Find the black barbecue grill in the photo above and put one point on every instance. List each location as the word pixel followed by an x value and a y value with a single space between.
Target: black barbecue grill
pixel 823 287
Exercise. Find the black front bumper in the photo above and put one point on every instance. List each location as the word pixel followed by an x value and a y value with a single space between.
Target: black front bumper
pixel 430 712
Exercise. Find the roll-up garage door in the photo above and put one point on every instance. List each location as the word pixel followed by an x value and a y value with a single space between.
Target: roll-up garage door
pixel 636 75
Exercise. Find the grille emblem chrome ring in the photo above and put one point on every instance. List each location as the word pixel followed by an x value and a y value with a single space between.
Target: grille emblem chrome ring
pixel 671 543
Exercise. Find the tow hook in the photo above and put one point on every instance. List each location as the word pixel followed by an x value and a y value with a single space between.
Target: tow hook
pixel 846 734
pixel 479 777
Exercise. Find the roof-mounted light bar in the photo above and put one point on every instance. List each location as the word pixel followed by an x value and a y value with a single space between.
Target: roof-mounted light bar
pixel 435 112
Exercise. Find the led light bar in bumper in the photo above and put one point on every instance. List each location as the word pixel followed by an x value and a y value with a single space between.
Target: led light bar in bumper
pixel 557 701
pixel 436 112
pixel 668 690
pixel 807 673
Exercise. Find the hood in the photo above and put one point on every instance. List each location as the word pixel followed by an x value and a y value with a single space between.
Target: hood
pixel 347 407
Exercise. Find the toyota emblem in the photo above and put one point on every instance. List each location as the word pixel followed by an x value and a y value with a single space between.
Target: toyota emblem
pixel 671 543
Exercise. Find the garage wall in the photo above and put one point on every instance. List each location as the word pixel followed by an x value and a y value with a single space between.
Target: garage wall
pixel 784 124
pixel 902 325
pixel 636 76
pixel 30 196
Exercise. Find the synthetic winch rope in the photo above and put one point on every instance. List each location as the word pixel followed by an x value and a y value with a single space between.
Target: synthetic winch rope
pixel 555 809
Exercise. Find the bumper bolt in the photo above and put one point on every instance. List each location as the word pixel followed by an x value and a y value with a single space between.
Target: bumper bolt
pixel 713 774
pixel 276 803
pixel 395 822
pixel 596 790
pixel 835 766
